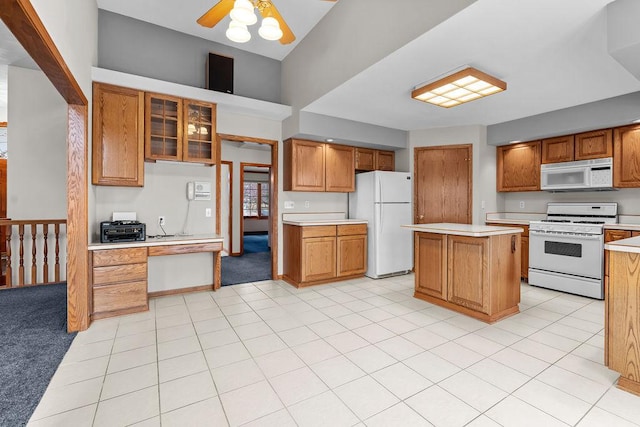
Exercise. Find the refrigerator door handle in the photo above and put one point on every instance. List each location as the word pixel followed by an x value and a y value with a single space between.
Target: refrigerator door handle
pixel 381 206
pixel 379 190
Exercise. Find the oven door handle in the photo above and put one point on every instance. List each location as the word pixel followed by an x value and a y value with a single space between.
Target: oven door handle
pixel 576 236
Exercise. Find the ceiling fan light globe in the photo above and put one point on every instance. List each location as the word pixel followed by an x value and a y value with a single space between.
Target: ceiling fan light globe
pixel 243 12
pixel 270 29
pixel 237 32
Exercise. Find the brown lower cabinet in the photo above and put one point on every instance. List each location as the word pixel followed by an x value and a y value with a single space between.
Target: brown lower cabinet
pixel 477 276
pixel 322 254
pixel 119 282
pixel 622 319
pixel 524 248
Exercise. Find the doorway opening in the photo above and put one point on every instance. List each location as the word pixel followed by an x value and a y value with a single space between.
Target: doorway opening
pixel 248 209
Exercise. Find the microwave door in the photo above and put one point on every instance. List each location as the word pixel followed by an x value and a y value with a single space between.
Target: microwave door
pixel 565 178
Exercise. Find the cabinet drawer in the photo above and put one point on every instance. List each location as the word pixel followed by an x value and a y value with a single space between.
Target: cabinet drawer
pixel 185 249
pixel 352 229
pixel 119 256
pixel 119 273
pixel 119 297
pixel 319 231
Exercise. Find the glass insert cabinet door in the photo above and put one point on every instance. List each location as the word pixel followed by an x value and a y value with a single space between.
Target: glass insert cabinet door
pixel 163 130
pixel 199 132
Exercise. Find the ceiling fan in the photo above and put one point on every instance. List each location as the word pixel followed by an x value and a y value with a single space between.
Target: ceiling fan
pixel 273 25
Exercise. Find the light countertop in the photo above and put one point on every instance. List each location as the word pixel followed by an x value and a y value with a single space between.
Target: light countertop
pixel 471 230
pixel 632 227
pixel 510 221
pixel 631 244
pixel 161 241
pixel 311 222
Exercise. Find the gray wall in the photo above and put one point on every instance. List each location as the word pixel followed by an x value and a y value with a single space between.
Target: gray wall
pixel 137 47
pixel 617 111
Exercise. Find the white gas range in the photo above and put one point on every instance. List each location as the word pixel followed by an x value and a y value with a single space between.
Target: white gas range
pixel 566 250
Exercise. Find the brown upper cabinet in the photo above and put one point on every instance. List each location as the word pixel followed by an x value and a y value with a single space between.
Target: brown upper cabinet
pixel 594 145
pixel 118 136
pixel 365 159
pixel 385 160
pixel 559 149
pixel 583 146
pixel 368 159
pixel 340 168
pixel 518 167
pixel 316 166
pixel 162 127
pixel 180 130
pixel 626 156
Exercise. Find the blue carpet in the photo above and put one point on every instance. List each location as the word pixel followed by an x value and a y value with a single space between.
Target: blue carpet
pixel 245 269
pixel 256 243
pixel 34 338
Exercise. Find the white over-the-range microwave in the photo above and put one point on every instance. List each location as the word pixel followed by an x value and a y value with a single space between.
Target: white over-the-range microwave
pixel 582 175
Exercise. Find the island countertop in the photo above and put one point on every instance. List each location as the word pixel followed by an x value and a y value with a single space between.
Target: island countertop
pixel 471 230
pixel 632 244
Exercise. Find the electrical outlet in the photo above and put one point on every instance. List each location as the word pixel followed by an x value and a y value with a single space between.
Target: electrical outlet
pixel 306 204
pixel 288 204
pixel 483 205
pixel 207 212
pixel 161 220
pixel 521 204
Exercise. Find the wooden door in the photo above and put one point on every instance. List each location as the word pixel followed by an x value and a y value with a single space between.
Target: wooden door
pixel 318 258
pixel 385 160
pixel 340 168
pixel 518 167
pixel 626 156
pixel 558 149
pixel 304 165
pixel 365 159
pixel 431 264
pixel 468 272
pixel 442 188
pixel 118 136
pixel 352 255
pixel 594 145
pixel 3 214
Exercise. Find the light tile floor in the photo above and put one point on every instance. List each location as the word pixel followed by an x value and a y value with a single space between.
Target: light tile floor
pixel 359 352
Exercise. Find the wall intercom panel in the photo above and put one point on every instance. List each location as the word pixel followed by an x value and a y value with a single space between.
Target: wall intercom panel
pixel 198 190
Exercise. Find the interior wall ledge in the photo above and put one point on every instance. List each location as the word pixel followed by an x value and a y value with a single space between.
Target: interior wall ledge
pixel 226 103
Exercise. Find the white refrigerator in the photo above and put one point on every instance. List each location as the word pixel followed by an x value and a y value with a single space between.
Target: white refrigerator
pixel 384 199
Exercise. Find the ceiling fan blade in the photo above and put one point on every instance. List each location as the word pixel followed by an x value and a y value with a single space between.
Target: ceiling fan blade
pixel 287 34
pixel 216 13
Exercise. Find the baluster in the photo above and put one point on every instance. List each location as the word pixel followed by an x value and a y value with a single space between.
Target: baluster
pixel 57 266
pixel 45 266
pixel 21 265
pixel 9 272
pixel 34 267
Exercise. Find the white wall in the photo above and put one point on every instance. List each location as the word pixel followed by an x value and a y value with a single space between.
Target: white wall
pixel 312 69
pixel 536 201
pixel 37 129
pixel 484 160
pixel 73 26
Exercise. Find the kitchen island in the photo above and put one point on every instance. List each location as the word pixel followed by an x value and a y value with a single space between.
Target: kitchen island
pixel 471 269
pixel 622 312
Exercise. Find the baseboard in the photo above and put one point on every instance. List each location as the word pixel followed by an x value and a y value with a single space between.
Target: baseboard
pixel 256 233
pixel 181 291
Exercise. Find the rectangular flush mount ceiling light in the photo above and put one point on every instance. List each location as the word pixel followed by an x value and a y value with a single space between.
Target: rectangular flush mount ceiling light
pixel 458 88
